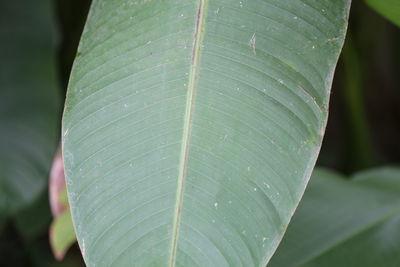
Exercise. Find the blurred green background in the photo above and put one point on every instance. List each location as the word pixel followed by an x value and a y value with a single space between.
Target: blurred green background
pixel 38 42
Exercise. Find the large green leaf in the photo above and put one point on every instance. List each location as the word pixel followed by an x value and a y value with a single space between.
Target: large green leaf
pixel 191 127
pixel 29 101
pixel 345 223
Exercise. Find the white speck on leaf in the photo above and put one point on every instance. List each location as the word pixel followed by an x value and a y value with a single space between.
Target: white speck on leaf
pixel 216 205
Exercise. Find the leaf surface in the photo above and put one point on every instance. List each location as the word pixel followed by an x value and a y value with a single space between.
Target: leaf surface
pixel 191 127
pixel 345 222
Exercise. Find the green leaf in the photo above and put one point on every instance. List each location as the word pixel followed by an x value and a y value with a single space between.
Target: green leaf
pixel 345 222
pixel 62 234
pixel 29 101
pixel 191 127
pixel 390 9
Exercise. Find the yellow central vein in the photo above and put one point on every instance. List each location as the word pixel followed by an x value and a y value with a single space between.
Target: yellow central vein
pixel 192 83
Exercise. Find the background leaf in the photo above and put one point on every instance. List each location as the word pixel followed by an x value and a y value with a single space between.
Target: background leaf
pixel 191 127
pixel 30 111
pixel 29 101
pixel 33 220
pixel 62 234
pixel 390 9
pixel 345 222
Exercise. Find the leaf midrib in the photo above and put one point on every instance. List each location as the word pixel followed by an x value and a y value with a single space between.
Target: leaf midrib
pixel 187 127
